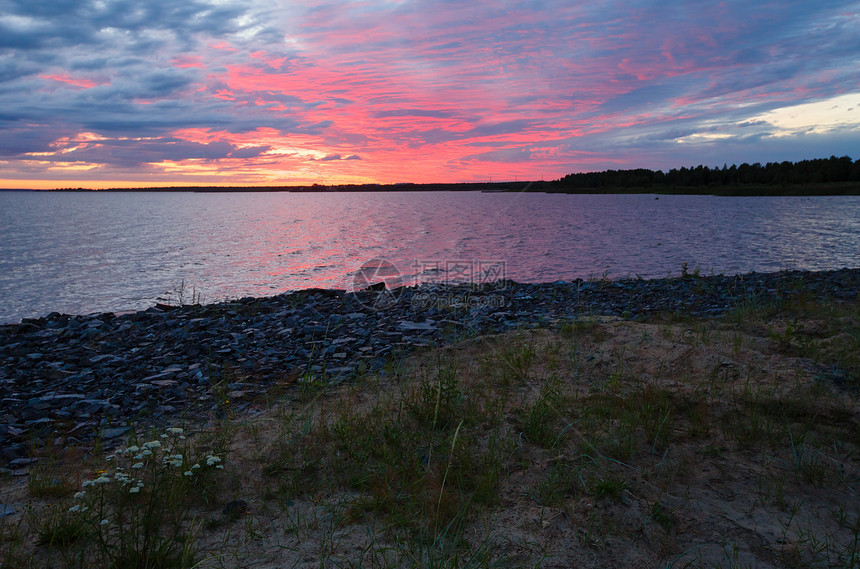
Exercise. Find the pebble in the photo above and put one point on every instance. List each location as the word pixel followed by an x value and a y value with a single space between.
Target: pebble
pixel 101 375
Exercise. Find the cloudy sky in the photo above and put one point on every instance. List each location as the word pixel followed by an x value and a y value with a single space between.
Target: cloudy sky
pixel 102 93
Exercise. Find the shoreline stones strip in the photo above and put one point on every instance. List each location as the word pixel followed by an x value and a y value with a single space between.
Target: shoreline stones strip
pixel 66 379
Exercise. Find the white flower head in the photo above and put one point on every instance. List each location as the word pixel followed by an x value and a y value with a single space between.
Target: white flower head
pixel 137 465
pixel 79 495
pixel 134 490
pixel 212 459
pixel 188 473
pixel 104 522
pixel 152 444
pixel 175 431
pixel 75 508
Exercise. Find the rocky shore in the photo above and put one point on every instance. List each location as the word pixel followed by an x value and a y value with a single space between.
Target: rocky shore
pixel 68 379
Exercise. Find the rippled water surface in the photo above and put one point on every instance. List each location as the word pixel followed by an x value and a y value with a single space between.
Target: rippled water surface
pixel 104 251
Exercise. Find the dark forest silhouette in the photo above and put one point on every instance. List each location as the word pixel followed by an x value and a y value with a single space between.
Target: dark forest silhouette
pixel 775 175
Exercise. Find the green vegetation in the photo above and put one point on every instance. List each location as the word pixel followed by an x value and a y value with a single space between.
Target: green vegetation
pixel 597 443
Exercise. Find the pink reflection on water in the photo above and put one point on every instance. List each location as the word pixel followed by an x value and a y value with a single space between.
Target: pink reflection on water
pixel 82 253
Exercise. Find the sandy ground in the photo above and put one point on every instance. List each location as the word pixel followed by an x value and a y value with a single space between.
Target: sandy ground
pixel 752 460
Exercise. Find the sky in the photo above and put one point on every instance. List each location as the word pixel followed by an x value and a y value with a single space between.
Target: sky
pixel 119 93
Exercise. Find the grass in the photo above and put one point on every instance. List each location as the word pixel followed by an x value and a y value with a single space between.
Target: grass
pixel 596 443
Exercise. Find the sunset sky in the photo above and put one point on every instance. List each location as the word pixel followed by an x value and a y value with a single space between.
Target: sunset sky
pixel 101 93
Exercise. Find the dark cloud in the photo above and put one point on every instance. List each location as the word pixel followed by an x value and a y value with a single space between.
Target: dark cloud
pixel 511 155
pixel 249 152
pixel 640 98
pixel 32 24
pixel 334 157
pixel 494 129
pixel 15 142
pixel 93 64
pixel 130 153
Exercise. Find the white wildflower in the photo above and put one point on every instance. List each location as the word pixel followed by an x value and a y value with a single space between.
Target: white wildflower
pixel 175 431
pixel 104 522
pixel 197 465
pixel 79 495
pixel 75 508
pixel 87 483
pixel 137 465
pixel 103 479
pixel 133 448
pixel 188 473
pixel 212 459
pixel 134 490
pixel 152 444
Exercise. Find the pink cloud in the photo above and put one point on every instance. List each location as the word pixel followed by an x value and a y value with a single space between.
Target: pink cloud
pixel 187 61
pixel 462 92
pixel 78 82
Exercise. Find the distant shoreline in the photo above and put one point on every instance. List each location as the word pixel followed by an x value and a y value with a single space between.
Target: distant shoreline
pixel 553 187
pixel 819 176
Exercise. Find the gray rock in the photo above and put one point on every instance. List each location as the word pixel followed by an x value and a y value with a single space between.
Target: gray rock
pixel 114 432
pixel 417 326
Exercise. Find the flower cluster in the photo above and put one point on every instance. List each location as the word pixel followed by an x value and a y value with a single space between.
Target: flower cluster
pixel 140 504
pixel 146 461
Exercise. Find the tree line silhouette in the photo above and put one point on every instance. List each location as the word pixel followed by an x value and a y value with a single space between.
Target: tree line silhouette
pixel 831 170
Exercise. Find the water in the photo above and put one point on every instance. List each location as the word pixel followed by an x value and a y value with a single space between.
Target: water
pixel 80 253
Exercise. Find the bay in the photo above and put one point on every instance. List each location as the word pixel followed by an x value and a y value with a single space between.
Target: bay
pixel 80 253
